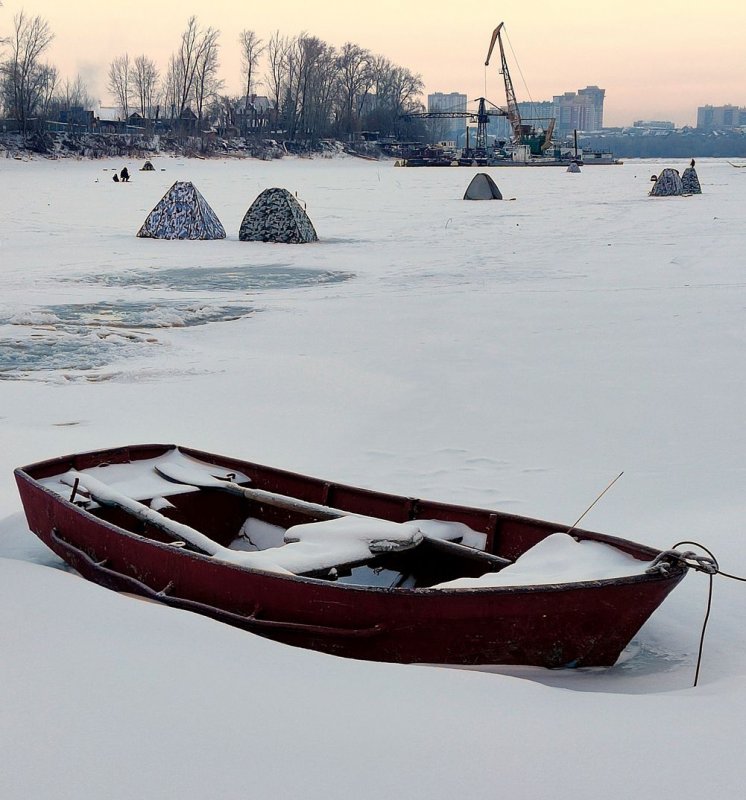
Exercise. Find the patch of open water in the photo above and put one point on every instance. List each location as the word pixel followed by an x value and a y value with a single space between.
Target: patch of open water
pixel 88 336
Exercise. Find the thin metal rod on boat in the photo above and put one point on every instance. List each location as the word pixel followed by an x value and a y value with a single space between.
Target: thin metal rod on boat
pixel 575 524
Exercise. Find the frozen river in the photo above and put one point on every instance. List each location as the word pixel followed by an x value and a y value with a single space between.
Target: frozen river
pixel 513 354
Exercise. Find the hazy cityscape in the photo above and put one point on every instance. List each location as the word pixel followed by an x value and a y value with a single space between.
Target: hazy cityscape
pixel 720 130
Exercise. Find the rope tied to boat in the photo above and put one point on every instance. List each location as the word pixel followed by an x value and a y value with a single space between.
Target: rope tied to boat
pixel 667 559
pixel 708 564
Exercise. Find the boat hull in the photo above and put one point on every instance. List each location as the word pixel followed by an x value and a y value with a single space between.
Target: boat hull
pixel 580 624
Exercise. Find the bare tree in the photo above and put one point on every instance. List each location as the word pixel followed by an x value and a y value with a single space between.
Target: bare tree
pixel 119 83
pixel 26 80
pixel 45 86
pixel 397 92
pixel 324 91
pixel 406 89
pixel 294 69
pixel 251 50
pixel 76 94
pixel 355 81
pixel 171 85
pixel 316 82
pixel 183 65
pixel 70 95
pixel 197 51
pixel 206 82
pixel 68 98
pixel 276 77
pixel 144 79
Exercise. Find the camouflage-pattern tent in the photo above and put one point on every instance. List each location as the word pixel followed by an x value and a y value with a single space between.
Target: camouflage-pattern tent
pixel 182 213
pixel 276 216
pixel 573 167
pixel 668 184
pixel 482 187
pixel 690 181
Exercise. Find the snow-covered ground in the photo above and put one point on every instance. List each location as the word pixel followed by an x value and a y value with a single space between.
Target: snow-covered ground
pixel 514 354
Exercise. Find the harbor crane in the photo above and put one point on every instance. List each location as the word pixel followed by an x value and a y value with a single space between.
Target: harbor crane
pixel 481 116
pixel 513 114
pixel 537 140
pixel 523 131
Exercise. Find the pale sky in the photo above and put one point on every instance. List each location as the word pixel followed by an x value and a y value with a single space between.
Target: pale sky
pixel 657 59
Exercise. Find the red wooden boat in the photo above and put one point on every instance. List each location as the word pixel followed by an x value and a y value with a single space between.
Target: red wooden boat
pixel 383 606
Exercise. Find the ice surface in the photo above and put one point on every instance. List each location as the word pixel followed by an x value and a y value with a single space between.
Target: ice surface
pixel 509 355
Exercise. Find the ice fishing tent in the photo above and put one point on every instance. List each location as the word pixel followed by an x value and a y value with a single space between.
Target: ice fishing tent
pixel 276 216
pixel 668 184
pixel 482 187
pixel 690 181
pixel 147 167
pixel 182 213
pixel 573 167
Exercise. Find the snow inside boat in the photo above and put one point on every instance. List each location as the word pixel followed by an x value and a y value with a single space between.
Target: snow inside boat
pixel 340 569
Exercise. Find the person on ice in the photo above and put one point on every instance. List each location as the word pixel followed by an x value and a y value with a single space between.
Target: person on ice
pixel 124 174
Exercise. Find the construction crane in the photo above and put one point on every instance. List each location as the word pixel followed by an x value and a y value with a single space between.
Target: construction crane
pixel 514 115
pixel 538 141
pixel 481 116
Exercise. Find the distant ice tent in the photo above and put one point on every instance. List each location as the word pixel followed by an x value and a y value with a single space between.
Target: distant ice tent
pixel 182 213
pixel 573 167
pixel 147 167
pixel 276 216
pixel 668 184
pixel 690 181
pixel 482 187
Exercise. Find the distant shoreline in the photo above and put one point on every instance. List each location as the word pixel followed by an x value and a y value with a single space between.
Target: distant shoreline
pixel 93 146
pixel 96 146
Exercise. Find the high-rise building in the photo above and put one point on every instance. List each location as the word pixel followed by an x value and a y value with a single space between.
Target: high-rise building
pixel 439 101
pixel 720 117
pixel 447 128
pixel 582 110
pixel 537 114
pixel 594 102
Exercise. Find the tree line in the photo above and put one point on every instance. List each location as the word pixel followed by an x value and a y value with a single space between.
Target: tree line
pixel 313 90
